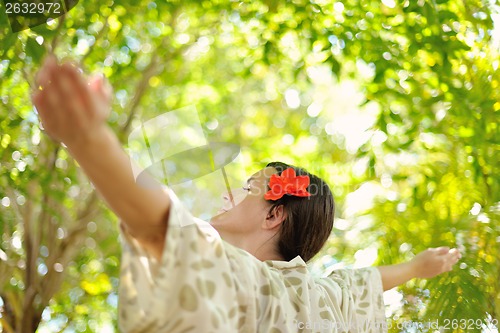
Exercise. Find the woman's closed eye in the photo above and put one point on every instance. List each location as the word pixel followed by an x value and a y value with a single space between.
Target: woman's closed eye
pixel 246 188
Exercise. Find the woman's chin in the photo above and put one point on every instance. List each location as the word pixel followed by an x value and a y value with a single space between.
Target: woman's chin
pixel 216 218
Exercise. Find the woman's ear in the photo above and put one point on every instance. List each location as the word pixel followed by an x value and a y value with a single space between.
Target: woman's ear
pixel 275 217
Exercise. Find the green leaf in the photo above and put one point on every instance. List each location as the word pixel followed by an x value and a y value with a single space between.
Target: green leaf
pixel 34 50
pixel 335 66
pixel 15 122
pixel 447 15
pixel 8 42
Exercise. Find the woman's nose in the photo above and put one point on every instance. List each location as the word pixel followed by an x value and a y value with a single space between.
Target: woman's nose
pixel 234 197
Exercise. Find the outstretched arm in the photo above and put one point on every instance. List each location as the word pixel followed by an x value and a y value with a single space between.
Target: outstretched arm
pixel 426 265
pixel 73 110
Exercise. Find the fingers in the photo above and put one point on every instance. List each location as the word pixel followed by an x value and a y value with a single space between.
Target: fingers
pixel 40 104
pixel 456 253
pixel 455 256
pixel 101 94
pixel 75 88
pixel 68 103
pixel 451 258
pixel 61 95
pixel 48 120
pixel 96 84
pixel 42 77
pixel 100 85
pixel 442 249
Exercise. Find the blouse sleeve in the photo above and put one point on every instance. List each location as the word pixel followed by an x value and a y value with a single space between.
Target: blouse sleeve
pixel 192 287
pixel 364 310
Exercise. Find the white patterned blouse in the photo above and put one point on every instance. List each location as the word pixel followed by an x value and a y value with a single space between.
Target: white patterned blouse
pixel 203 284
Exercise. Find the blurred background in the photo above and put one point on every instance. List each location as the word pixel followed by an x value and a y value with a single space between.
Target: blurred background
pixel 394 103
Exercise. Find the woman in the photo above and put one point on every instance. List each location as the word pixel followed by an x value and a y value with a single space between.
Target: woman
pixel 243 272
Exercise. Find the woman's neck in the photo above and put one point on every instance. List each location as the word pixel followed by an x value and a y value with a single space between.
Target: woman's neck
pixel 262 247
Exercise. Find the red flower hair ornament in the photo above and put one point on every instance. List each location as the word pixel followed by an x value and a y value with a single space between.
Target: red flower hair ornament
pixel 287 183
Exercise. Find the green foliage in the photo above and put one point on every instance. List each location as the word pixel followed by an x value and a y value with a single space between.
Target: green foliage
pixel 394 103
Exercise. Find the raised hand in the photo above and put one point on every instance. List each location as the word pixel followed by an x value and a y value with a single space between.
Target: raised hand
pixel 71 107
pixel 427 264
pixel 434 261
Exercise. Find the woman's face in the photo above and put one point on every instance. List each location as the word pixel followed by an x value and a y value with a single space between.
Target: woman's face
pixel 247 211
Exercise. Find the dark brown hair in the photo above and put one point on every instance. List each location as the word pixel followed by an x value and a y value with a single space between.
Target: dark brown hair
pixel 309 220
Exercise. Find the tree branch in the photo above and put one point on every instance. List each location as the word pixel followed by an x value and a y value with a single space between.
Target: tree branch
pixel 55 41
pixel 152 69
pixel 31 255
pixel 66 249
pixel 140 89
pixel 8 317
pixel 6 325
pixel 13 308
pixel 100 34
